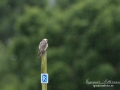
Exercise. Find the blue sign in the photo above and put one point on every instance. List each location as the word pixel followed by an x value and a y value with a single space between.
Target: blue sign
pixel 44 78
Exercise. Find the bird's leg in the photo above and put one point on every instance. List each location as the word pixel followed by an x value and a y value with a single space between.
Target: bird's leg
pixel 43 52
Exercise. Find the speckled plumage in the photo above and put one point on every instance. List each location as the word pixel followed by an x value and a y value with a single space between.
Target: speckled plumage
pixel 42 47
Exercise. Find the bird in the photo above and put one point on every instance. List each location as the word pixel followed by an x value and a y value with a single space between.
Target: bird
pixel 42 47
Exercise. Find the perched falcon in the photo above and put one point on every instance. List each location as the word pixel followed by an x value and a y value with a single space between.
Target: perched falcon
pixel 42 47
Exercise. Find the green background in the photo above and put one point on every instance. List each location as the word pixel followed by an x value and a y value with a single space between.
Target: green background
pixel 83 37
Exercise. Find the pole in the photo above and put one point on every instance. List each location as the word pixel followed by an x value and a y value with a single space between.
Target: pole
pixel 44 68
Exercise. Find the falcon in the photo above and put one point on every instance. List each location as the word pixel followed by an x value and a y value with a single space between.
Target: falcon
pixel 42 47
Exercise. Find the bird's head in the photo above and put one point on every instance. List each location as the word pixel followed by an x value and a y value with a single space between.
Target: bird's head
pixel 45 39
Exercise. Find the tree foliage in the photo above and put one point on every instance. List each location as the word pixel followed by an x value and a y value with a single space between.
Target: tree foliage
pixel 83 37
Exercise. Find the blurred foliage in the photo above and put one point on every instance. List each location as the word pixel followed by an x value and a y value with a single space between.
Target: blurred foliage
pixel 83 37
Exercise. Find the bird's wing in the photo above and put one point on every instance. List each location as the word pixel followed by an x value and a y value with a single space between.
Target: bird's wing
pixel 42 45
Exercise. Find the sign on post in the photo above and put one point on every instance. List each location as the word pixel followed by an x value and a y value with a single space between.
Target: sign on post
pixel 44 78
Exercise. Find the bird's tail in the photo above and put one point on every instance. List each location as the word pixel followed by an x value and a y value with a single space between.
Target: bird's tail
pixel 39 53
